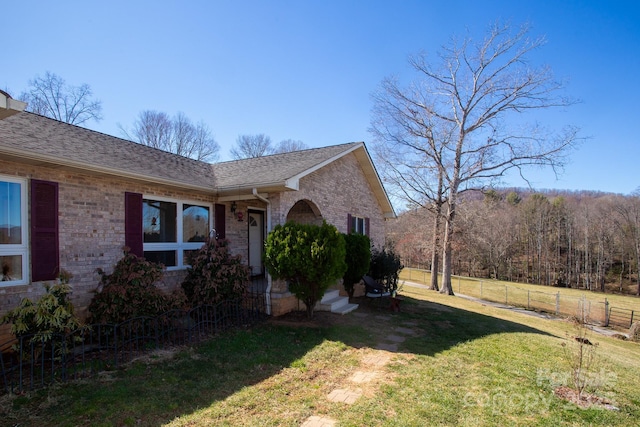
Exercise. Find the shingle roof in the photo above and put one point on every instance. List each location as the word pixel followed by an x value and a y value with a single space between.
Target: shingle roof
pixel 40 139
pixel 275 170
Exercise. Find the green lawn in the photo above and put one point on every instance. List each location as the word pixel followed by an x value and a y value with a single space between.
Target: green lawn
pixel 461 363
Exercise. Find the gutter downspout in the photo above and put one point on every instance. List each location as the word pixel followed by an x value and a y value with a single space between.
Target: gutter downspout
pixel 268 290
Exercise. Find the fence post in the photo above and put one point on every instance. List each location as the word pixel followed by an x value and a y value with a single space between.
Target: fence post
pixel 506 295
pixel 557 303
pixel 606 312
pixel 528 299
pixel 631 323
pixel 458 283
pixel 480 289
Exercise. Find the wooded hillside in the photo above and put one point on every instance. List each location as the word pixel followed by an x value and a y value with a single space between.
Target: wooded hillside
pixel 578 239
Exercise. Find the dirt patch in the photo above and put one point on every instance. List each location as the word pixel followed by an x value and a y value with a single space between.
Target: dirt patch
pixel 320 319
pixel 586 400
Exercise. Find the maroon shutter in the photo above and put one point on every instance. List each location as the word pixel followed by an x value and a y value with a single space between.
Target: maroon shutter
pixel 45 252
pixel 349 220
pixel 366 226
pixel 133 223
pixel 221 222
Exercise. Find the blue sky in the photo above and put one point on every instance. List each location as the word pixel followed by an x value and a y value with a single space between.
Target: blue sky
pixel 305 70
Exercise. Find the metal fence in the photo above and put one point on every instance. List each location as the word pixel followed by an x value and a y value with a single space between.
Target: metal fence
pixel 36 362
pixel 587 310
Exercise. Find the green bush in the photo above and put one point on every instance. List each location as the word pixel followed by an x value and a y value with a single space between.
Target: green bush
pixel 215 274
pixel 309 257
pixel 130 291
pixel 358 257
pixel 52 314
pixel 385 267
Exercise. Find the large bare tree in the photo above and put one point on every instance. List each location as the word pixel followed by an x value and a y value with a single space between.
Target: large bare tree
pixel 51 96
pixel 464 117
pixel 176 135
pixel 289 145
pixel 249 146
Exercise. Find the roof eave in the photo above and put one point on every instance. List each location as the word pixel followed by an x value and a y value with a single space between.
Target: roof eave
pixel 29 157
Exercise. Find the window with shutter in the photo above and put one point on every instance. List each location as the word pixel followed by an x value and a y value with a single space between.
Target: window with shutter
pixel 166 230
pixel 356 224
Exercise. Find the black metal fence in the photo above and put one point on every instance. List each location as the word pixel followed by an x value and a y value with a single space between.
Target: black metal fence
pixel 36 362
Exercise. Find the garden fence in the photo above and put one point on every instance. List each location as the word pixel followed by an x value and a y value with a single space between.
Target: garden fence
pixel 587 310
pixel 36 362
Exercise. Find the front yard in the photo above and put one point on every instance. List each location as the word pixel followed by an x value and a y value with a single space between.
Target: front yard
pixel 441 361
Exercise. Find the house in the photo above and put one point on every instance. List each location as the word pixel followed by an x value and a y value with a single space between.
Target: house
pixel 72 199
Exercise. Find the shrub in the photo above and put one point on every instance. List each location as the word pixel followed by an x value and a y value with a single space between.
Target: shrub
pixel 129 291
pixel 215 274
pixel 385 267
pixel 52 314
pixel 358 257
pixel 309 257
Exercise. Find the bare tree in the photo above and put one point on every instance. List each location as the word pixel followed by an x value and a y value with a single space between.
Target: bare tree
pixel 464 118
pixel 249 146
pixel 176 135
pixel 629 213
pixel 289 145
pixel 50 96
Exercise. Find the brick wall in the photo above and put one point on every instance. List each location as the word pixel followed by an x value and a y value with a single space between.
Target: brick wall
pixel 336 190
pixel 91 229
pixel 91 221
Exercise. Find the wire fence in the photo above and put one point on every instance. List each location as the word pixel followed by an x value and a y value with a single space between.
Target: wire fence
pixel 36 362
pixel 588 310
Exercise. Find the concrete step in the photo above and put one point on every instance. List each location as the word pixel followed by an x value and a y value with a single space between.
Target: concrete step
pixel 332 301
pixel 347 308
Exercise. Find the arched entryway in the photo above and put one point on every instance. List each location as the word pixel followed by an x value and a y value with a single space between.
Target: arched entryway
pixel 305 212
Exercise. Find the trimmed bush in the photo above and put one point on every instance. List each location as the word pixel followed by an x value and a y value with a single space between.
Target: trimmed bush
pixel 309 257
pixel 215 274
pixel 358 257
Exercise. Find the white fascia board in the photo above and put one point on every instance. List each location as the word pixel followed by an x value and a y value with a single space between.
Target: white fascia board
pixel 294 182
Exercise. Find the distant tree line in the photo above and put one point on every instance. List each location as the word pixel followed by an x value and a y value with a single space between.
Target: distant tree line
pixel 583 240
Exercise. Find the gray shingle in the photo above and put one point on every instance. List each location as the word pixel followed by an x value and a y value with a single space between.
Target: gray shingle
pixel 274 169
pixel 40 138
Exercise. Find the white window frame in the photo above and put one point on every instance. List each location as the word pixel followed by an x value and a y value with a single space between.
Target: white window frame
pixel 179 246
pixel 356 221
pixel 21 249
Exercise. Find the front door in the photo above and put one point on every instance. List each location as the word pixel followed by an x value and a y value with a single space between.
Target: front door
pixel 256 242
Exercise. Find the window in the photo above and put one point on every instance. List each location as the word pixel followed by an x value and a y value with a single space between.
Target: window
pixel 172 229
pixel 356 224
pixel 14 248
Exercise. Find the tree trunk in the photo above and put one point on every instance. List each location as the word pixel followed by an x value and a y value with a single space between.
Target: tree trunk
pixel 435 249
pixel 447 289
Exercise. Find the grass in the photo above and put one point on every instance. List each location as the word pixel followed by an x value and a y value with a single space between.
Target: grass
pixel 465 364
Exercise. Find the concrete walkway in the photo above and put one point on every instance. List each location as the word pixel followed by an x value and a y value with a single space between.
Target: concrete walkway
pixel 372 366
